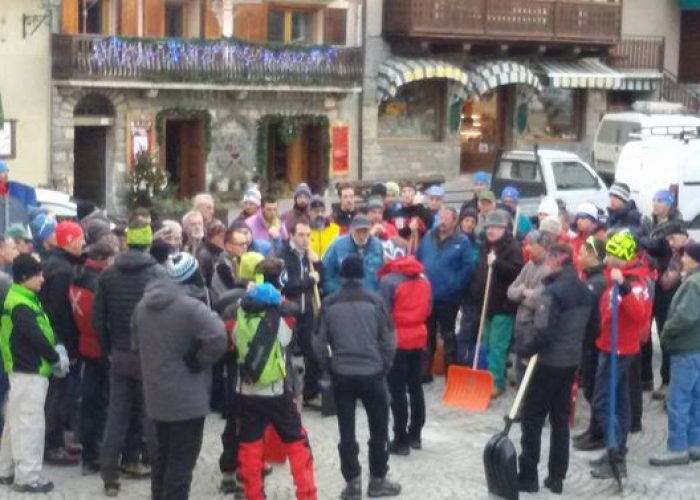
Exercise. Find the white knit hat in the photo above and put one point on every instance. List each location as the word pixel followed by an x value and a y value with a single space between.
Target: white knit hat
pixel 181 266
pixel 587 209
pixel 548 206
pixel 253 195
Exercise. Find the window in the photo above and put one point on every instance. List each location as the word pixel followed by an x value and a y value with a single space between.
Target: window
pixel 415 113
pixel 554 115
pixel 570 175
pixel 334 26
pixel 522 174
pixel 291 26
pixel 91 17
pixel 617 132
pixel 174 20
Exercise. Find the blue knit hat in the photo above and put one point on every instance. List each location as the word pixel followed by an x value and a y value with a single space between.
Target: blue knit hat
pixel 43 227
pixel 482 177
pixel 665 196
pixel 510 192
pixel 266 293
pixel 181 266
pixel 435 192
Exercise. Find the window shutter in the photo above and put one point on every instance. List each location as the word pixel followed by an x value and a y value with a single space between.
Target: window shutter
pixel 69 17
pixel 334 26
pixel 154 18
pixel 250 22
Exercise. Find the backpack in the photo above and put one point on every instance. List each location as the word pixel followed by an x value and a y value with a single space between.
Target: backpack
pixel 260 354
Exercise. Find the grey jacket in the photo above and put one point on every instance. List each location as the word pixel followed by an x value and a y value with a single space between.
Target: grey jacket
pixel 530 278
pixel 355 334
pixel 178 339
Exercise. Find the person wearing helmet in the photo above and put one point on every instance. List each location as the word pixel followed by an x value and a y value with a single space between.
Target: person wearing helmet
pixel 510 196
pixel 631 275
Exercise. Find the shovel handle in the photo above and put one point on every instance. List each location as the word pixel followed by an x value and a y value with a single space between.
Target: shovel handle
pixel 523 388
pixel 515 222
pixel 316 300
pixel 482 321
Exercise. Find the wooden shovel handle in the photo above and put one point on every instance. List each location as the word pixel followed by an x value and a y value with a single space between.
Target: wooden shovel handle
pixel 523 388
pixel 482 321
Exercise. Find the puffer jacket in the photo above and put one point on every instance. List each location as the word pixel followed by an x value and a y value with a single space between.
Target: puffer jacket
pixel 635 309
pixel 448 265
pixel 626 217
pixel 681 334
pixel 372 257
pixel 507 266
pixel 563 312
pixel 407 293
pixel 82 297
pixel 653 238
pixel 119 288
pixel 323 237
pixel 530 278
pixel 178 339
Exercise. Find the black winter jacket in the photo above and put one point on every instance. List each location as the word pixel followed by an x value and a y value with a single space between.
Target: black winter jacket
pixel 562 315
pixel 299 286
pixel 627 217
pixel 59 268
pixel 506 267
pixel 653 238
pixel 119 288
pixel 207 256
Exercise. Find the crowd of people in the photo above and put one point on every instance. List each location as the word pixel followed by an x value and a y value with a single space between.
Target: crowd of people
pixel 118 341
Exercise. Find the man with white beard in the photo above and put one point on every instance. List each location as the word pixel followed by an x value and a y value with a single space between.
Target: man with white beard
pixel 193 229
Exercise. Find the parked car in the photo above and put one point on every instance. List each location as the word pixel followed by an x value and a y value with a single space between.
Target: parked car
pixel 57 202
pixel 670 162
pixel 540 173
pixel 617 129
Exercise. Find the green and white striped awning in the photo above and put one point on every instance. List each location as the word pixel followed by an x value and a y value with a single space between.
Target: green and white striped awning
pixel 593 74
pixel 398 71
pixel 485 76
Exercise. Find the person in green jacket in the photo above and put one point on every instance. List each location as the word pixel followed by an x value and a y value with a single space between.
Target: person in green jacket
pixel 681 338
pixel 30 356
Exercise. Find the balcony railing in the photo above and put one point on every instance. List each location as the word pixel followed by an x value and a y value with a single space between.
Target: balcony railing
pixel 638 53
pixel 222 62
pixel 554 21
pixel 673 91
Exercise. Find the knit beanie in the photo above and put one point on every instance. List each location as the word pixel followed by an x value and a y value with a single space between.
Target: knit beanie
pixel 665 196
pixel 253 196
pixel 378 189
pixel 43 227
pixel 302 188
pixel 548 206
pixel 67 232
pixel 620 190
pixel 510 193
pixel 393 188
pixel 24 267
pixel 587 210
pixel 181 266
pixel 161 251
pixel 482 177
pixel 551 225
pixel 96 228
pixel 317 202
pixel 693 251
pixel 352 267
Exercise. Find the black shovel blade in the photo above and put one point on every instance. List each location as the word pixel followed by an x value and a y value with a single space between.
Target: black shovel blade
pixel 501 466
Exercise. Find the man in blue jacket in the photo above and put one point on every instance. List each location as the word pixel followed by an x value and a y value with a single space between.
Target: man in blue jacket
pixel 446 255
pixel 360 242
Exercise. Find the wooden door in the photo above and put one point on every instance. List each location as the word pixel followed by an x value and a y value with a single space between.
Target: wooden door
pixel 69 17
pixel 688 67
pixel 192 161
pixel 296 159
pixel 250 22
pixel 315 175
pixel 211 28
pixel 128 18
pixel 154 18
pixel 89 164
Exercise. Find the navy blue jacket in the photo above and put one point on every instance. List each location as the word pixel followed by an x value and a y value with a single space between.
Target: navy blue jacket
pixel 448 265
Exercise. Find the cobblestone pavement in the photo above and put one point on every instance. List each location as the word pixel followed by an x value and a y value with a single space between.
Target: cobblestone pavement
pixel 449 466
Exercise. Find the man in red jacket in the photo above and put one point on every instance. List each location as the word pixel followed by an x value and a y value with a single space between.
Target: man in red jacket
pixel 407 293
pixel 629 272
pixel 94 385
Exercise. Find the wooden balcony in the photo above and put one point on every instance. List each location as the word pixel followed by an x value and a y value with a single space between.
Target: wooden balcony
pixel 221 62
pixel 638 53
pixel 496 21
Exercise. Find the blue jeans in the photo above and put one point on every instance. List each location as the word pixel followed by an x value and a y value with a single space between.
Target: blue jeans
pixel 601 400
pixel 683 402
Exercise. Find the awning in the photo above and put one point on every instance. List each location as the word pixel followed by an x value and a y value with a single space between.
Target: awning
pixel 396 72
pixel 690 4
pixel 487 75
pixel 593 74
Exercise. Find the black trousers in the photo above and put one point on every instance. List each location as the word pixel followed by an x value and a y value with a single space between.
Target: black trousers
pixel 312 368
pixel 372 391
pixel 662 301
pixel 589 366
pixel 62 407
pixel 549 392
pixel 406 376
pixel 635 387
pixel 179 444
pixel 228 461
pixel 93 410
pixel 443 319
pixel 279 411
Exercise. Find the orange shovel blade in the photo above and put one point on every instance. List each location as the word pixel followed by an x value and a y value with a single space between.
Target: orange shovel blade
pixel 467 388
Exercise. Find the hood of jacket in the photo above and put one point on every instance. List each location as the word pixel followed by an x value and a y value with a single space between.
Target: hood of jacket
pixel 133 261
pixel 160 293
pixel 408 266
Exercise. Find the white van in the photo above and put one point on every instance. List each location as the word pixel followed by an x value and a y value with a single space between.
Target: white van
pixel 617 129
pixel 663 163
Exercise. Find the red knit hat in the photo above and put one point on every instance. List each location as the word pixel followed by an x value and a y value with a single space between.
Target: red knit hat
pixel 67 232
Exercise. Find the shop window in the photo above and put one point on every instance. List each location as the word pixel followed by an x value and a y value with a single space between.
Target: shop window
pixel 553 115
pixel 415 113
pixel 334 26
pixel 291 26
pixel 571 175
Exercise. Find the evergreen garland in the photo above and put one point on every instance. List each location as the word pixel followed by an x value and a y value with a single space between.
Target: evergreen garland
pixel 289 127
pixel 185 113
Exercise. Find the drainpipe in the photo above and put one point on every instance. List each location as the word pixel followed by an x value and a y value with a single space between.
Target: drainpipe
pixel 360 107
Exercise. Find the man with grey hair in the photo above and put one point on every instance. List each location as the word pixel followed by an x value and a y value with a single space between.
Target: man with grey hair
pixel 204 204
pixel 193 231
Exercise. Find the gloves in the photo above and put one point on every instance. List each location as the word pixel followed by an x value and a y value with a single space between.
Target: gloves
pixel 62 367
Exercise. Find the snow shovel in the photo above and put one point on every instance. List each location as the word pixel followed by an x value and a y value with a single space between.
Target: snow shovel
pixel 471 388
pixel 500 457
pixel 612 437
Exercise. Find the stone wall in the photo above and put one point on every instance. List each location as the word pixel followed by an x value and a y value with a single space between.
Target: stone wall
pixel 231 160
